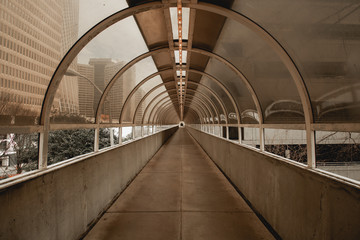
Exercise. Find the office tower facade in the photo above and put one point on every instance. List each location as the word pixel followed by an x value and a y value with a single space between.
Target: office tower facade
pixel 86 90
pixel 100 71
pixel 31 48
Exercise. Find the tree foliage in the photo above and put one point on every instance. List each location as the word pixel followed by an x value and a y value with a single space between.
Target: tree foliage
pixel 65 144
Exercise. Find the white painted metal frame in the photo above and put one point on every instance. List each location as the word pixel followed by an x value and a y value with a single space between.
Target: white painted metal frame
pixel 256 28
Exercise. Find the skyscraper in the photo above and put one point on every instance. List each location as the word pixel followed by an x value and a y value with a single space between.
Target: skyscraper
pixel 100 71
pixel 31 48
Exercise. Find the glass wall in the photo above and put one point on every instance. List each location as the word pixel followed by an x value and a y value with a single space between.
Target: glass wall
pixel 18 154
pixel 339 153
pixel 287 143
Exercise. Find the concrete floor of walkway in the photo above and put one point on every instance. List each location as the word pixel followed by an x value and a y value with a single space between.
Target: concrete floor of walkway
pixel 180 194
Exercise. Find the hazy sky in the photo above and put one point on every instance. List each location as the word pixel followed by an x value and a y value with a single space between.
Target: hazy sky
pixel 122 41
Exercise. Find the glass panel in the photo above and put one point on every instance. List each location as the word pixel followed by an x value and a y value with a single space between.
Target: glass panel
pixel 234 134
pixel 139 95
pixel 287 143
pixel 161 112
pixel 233 83
pixel 78 95
pixel 31 45
pixel 209 96
pixel 142 69
pixel 202 102
pixel 221 94
pixel 138 132
pixel 153 107
pixel 199 109
pixel 66 144
pixel 93 11
pixel 126 133
pixel 18 154
pixel 185 22
pixel 116 135
pixel 217 130
pixel 146 130
pixel 108 137
pixel 183 57
pixel 339 153
pixel 323 39
pixel 266 73
pixel 35 35
pixel 251 137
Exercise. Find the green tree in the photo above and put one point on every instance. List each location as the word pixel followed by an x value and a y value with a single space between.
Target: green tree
pixel 65 144
pixel 26 152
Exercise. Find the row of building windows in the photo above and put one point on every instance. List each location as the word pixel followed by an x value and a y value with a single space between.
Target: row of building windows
pixel 21 48
pixel 7 83
pixel 35 8
pixel 44 26
pixel 20 62
pixel 39 12
pixel 15 98
pixel 27 76
pixel 15 72
pixel 38 41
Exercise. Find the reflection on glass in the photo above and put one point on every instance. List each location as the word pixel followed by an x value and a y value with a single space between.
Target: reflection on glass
pixel 323 40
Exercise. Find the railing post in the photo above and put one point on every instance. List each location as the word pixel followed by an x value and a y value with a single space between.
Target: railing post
pixel 310 145
pixel 111 137
pixel 240 135
pixel 120 135
pixel 96 140
pixel 262 138
pixel 227 132
pixel 43 149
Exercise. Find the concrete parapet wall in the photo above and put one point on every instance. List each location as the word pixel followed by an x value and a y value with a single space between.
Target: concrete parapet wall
pixel 351 171
pixel 62 203
pixel 297 202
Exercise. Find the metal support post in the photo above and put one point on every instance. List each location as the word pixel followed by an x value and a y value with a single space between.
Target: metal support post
pixel 310 145
pixel 112 137
pixel 96 140
pixel 227 132
pixel 240 135
pixel 262 138
pixel 120 135
pixel 43 149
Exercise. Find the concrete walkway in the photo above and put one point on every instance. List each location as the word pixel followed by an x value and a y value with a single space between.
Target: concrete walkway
pixel 180 194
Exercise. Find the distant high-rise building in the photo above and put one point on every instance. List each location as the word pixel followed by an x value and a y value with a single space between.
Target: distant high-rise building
pixel 99 77
pixel 86 90
pixel 103 70
pixel 31 47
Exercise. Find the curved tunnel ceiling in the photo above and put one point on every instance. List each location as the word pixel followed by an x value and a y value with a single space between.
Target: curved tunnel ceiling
pixel 238 63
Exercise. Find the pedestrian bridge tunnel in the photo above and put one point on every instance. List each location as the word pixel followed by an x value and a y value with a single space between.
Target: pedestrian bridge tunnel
pixel 95 95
